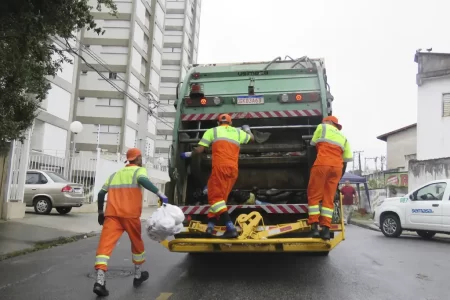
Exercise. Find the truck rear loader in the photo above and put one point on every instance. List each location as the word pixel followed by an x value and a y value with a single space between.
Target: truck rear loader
pixel 282 101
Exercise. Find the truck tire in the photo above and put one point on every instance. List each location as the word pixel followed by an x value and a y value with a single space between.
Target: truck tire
pixel 391 226
pixel 428 235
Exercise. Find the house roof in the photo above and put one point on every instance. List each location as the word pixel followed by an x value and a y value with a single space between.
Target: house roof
pixel 384 136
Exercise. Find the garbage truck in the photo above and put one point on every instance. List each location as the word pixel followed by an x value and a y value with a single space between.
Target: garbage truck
pixel 283 101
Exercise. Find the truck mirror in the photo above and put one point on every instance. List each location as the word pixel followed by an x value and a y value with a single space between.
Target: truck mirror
pixel 411 197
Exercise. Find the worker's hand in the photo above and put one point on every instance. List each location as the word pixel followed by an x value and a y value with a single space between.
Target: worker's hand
pixel 246 128
pixel 205 191
pixel 185 155
pixel 163 197
pixel 101 218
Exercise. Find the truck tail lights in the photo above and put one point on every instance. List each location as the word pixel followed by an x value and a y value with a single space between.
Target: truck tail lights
pixel 298 97
pixel 203 101
pixel 196 90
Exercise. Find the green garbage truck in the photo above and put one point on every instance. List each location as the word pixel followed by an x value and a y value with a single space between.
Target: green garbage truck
pixel 283 101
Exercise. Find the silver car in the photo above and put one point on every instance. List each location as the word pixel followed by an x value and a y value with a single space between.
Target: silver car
pixel 45 190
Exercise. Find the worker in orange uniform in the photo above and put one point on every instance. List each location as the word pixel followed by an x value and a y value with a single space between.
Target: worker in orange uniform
pixel 225 141
pixel 333 153
pixel 123 212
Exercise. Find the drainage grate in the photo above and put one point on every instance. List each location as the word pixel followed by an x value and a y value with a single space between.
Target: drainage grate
pixel 111 273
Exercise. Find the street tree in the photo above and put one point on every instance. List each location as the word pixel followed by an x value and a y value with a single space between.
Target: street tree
pixel 27 56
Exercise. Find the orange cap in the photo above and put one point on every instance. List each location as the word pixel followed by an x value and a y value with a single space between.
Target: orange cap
pixel 334 120
pixel 225 118
pixel 133 153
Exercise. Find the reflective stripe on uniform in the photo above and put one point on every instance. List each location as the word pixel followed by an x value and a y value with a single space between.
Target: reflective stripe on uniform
pixel 313 210
pixel 101 260
pixel 327 212
pixel 326 133
pixel 139 257
pixel 218 206
pixel 224 133
pixel 205 141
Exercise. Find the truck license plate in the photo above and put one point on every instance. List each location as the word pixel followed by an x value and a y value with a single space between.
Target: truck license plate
pixel 250 100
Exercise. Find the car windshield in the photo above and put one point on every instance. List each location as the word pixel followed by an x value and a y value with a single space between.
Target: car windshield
pixel 55 177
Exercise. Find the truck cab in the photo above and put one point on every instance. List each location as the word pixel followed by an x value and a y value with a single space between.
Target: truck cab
pixel 425 210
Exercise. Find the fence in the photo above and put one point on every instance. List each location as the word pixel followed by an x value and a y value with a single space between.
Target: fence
pixel 90 169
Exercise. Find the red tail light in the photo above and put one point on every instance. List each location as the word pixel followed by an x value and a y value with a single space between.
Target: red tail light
pixel 196 91
pixel 67 189
pixel 196 75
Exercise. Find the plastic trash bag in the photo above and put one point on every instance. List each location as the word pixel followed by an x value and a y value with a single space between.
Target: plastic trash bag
pixel 166 221
pixel 175 212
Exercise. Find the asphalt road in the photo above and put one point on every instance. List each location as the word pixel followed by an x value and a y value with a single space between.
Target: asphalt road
pixel 366 266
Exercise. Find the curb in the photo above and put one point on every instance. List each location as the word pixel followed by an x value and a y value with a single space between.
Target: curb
pixel 47 244
pixel 365 226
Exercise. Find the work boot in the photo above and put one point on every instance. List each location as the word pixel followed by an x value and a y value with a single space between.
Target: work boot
pixel 210 228
pixel 325 233
pixel 315 230
pixel 138 281
pixel 230 234
pixel 101 290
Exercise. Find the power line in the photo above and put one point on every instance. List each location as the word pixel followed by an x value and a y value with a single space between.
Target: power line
pixel 149 110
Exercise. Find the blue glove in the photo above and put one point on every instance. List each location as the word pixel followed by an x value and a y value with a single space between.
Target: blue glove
pixel 185 155
pixel 163 198
pixel 246 128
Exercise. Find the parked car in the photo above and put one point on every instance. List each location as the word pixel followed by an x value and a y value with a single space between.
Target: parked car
pixel 46 190
pixel 425 210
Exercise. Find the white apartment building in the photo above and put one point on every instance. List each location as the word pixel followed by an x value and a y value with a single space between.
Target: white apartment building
pixel 51 127
pixel 181 40
pixel 114 106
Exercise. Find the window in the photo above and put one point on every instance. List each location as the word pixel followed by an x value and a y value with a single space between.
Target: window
pixel 112 75
pixel 56 177
pixel 434 191
pixel 109 129
pixel 35 178
pixel 446 105
pixel 109 102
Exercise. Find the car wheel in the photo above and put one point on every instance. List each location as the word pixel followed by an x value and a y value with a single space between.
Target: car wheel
pixel 63 210
pixel 390 226
pixel 42 206
pixel 426 234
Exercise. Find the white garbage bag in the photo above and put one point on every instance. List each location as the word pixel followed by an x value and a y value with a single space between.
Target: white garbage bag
pixel 164 222
pixel 175 212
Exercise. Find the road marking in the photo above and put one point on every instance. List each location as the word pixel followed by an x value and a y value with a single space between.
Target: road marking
pixel 164 296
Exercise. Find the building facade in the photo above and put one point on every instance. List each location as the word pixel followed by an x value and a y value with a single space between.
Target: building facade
pixel 50 135
pixel 433 105
pixel 401 146
pixel 118 83
pixel 181 41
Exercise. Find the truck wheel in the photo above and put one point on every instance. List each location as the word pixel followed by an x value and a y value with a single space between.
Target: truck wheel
pixel 428 235
pixel 390 226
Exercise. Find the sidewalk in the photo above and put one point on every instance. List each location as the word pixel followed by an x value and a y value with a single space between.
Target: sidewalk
pixel 36 232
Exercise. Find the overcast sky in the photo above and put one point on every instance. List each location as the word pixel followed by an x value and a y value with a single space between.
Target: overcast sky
pixel 368 47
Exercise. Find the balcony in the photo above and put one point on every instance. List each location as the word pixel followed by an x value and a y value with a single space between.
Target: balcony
pixel 174 8
pixel 171 59
pixel 173 41
pixel 170 76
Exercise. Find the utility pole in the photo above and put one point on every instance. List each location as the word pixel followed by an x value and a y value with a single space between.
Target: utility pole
pixel 359 160
pixel 383 161
pixel 371 158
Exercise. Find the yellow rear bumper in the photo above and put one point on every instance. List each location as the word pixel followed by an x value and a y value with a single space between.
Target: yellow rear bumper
pixel 251 245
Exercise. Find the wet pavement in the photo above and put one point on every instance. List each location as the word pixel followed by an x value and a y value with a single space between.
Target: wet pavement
pixel 365 266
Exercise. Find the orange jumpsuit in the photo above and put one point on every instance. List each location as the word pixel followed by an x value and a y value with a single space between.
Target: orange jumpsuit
pixel 225 141
pixel 123 211
pixel 332 150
